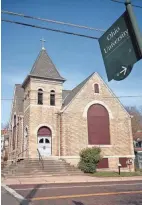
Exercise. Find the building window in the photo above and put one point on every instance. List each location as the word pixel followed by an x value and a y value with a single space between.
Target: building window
pixel 47 141
pixel 123 161
pixel 103 164
pixel 14 120
pixel 98 125
pixel 96 88
pixel 41 140
pixel 52 97
pixel 26 132
pixel 40 97
pixel 25 139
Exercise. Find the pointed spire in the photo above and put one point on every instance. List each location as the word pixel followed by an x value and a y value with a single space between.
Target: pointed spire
pixel 42 43
pixel 44 67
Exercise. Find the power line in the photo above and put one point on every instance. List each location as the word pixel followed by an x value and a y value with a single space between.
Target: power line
pixel 122 2
pixel 52 21
pixel 49 29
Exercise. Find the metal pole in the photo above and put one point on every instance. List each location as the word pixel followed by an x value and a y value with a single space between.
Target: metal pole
pixel 134 25
pixel 119 170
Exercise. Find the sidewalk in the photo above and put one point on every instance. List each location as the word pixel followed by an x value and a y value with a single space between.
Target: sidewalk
pixel 8 199
pixel 65 179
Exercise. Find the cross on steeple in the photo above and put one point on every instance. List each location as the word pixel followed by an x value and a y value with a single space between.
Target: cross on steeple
pixel 42 43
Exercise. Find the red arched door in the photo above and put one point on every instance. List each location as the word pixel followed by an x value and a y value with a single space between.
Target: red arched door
pixel 44 141
pixel 98 125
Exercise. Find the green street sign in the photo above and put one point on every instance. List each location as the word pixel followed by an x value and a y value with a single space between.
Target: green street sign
pixel 119 49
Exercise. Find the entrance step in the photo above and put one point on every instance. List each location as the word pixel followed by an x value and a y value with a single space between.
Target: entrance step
pixel 34 167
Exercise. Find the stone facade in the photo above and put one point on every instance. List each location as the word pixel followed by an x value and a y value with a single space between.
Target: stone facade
pixel 68 121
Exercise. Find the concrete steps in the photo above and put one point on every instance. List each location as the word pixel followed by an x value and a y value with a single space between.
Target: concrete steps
pixel 34 167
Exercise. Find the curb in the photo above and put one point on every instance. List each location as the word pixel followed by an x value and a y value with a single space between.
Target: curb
pixel 54 181
pixel 18 197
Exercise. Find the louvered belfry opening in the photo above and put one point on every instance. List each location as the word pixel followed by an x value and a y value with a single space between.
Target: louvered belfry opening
pixel 98 125
pixel 40 97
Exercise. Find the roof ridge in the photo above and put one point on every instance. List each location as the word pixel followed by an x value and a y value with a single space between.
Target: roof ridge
pixel 75 91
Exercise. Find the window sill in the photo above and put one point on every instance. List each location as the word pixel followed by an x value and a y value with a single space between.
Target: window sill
pixel 100 145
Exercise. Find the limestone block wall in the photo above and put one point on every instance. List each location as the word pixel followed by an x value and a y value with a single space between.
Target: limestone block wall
pixel 75 128
pixel 44 115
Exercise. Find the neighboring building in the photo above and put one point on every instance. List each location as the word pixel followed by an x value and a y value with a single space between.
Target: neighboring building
pixel 60 123
pixel 4 142
pixel 138 148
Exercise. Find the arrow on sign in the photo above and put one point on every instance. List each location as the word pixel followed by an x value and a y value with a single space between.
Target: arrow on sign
pixel 124 70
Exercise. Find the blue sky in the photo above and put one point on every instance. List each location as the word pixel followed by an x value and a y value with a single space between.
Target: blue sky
pixel 74 57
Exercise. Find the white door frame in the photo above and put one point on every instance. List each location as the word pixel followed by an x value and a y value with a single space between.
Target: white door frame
pixel 45 148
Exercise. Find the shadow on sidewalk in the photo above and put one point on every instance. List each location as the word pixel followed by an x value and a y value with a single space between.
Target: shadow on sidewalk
pixel 31 194
pixel 78 203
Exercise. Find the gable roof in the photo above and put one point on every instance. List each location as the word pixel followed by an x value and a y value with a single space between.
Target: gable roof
pixel 74 92
pixel 44 67
pixel 65 93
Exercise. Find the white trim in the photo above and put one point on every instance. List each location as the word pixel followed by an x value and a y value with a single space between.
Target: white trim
pixel 69 157
pixel 103 145
pixel 46 106
pixel 52 89
pixel 39 88
pixel 96 102
pixel 115 156
pixel 119 156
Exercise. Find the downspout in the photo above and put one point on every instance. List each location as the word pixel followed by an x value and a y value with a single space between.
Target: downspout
pixel 60 133
pixel 22 149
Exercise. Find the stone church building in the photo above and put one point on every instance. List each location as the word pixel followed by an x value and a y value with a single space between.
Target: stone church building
pixel 58 123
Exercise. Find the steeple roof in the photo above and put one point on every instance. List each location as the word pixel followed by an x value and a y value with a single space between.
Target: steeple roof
pixel 44 67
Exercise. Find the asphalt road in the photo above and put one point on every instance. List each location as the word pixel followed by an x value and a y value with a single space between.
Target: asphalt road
pixel 7 199
pixel 107 193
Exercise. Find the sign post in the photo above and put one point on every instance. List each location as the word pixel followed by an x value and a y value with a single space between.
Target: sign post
pixel 134 25
pixel 121 46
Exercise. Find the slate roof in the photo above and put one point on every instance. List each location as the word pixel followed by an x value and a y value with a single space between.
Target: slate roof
pixel 44 67
pixel 74 92
pixel 65 93
pixel 19 95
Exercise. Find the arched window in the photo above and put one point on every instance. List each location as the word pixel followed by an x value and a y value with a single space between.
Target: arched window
pixel 96 88
pixel 41 140
pixel 52 97
pixel 40 97
pixel 14 120
pixel 98 125
pixel 26 132
pixel 47 141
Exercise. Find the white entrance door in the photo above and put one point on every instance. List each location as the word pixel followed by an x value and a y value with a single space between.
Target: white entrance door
pixel 44 146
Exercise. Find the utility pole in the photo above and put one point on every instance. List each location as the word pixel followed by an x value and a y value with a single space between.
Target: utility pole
pixel 134 25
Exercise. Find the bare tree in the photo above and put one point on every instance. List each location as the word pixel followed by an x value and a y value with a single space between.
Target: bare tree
pixel 5 126
pixel 136 114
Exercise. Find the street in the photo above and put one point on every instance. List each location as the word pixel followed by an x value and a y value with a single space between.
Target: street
pixel 98 193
